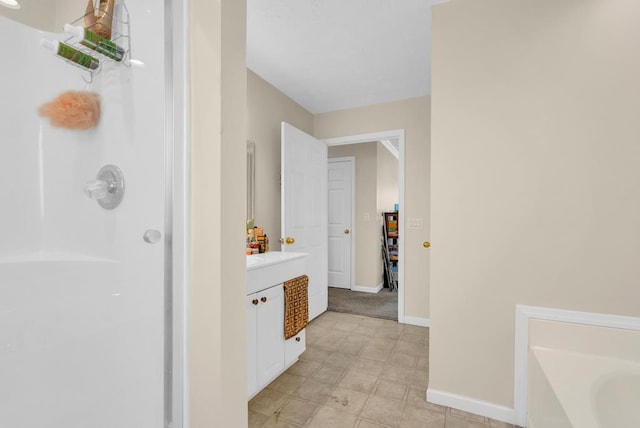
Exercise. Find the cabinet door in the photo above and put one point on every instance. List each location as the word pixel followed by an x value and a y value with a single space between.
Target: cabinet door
pixel 252 312
pixel 270 329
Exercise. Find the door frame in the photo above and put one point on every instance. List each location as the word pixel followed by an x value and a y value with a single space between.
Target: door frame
pixel 352 161
pixel 379 136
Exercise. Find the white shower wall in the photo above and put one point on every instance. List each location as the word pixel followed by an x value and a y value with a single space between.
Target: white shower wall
pixel 81 293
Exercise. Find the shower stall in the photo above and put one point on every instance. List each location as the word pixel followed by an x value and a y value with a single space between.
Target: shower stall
pixel 88 298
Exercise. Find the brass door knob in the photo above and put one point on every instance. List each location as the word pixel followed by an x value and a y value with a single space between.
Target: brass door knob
pixel 263 299
pixel 290 240
pixel 426 244
pixel 254 301
pixel 347 231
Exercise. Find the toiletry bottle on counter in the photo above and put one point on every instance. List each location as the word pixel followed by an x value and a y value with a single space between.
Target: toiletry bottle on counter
pixel 93 41
pixel 72 54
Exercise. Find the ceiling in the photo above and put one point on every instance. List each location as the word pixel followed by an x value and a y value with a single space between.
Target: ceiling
pixel 335 54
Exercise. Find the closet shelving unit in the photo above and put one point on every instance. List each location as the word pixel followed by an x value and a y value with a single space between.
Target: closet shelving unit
pixel 390 248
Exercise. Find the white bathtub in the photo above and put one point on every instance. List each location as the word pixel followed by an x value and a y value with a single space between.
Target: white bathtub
pixel 579 390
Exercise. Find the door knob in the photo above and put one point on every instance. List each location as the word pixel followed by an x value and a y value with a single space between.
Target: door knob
pixel 346 231
pixel 290 240
pixel 152 236
pixel 426 244
pixel 254 301
pixel 263 299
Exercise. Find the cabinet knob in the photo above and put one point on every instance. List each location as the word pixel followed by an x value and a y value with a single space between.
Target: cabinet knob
pixel 426 244
pixel 289 240
pixel 263 299
pixel 254 301
pixel 297 339
pixel 347 231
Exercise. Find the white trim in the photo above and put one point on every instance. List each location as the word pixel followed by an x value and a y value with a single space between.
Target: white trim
pixel 392 149
pixel 526 313
pixel 377 136
pixel 478 407
pixel 352 161
pixel 421 322
pixel 364 289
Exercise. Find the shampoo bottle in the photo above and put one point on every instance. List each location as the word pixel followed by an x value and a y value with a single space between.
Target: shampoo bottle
pixel 93 41
pixel 72 54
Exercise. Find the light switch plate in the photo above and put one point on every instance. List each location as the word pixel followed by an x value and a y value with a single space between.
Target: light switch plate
pixel 415 223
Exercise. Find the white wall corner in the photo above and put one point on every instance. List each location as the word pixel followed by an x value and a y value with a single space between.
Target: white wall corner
pixel 470 405
pixel 421 322
pixel 363 289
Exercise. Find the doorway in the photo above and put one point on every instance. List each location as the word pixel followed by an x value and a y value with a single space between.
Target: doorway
pixel 371 217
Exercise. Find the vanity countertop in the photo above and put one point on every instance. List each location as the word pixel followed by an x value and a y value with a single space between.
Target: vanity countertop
pixel 269 269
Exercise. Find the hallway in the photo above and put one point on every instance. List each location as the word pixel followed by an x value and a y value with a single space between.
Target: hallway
pixel 358 372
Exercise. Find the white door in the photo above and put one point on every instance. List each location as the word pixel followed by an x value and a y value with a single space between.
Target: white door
pixel 341 173
pixel 304 208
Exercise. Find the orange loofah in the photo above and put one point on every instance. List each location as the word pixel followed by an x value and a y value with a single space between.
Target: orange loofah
pixel 73 110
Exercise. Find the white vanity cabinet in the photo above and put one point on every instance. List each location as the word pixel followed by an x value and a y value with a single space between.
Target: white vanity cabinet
pixel 268 353
pixel 265 315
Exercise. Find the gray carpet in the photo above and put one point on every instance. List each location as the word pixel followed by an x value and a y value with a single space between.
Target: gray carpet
pixel 383 304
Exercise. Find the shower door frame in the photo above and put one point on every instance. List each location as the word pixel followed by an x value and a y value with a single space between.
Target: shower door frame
pixel 176 221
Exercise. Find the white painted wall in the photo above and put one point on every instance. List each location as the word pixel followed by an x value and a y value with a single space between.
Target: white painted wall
pixel 535 175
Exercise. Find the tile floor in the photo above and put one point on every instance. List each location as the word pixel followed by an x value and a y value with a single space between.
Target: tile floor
pixel 358 372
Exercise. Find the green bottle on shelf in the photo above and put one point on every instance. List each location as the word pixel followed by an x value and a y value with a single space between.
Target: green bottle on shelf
pixel 93 41
pixel 71 54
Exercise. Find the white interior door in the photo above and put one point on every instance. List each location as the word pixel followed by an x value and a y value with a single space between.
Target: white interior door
pixel 304 208
pixel 341 173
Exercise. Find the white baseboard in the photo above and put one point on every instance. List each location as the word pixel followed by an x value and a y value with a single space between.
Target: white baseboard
pixel 364 289
pixel 422 322
pixel 466 404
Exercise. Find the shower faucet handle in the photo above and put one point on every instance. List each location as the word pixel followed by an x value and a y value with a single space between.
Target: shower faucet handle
pixel 96 189
pixel 107 188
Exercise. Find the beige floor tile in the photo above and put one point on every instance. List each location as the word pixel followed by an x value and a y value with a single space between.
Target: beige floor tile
pixel 314 391
pixel 256 420
pixel 400 374
pixel 468 416
pixel 298 411
pixel 365 331
pixel 498 424
pixel 268 401
pixel 383 410
pixel 390 332
pixel 287 383
pixel 403 360
pixel 346 326
pixel 346 399
pixel 357 338
pixel 373 352
pixel 416 397
pixel 350 348
pixel 383 343
pixel 415 417
pixel 366 365
pixel 329 374
pixel 418 350
pixel 340 359
pixel 420 378
pixel 325 321
pixel 413 338
pixel 417 330
pixel 330 341
pixel 304 368
pixel 328 417
pixel 456 422
pixel 423 363
pixel 356 380
pixel 315 354
pixel 367 424
pixel 276 421
pixel 390 389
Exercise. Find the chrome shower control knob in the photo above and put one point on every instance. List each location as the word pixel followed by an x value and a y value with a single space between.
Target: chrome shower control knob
pixel 152 236
pixel 107 188
pixel 96 189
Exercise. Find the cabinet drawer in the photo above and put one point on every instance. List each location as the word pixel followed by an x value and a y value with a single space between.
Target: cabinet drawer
pixel 293 347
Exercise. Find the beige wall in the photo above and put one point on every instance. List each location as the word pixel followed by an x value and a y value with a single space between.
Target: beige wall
pixel 387 190
pixel 36 14
pixel 412 115
pixel 217 319
pixel 267 108
pixel 535 172
pixel 368 261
